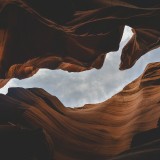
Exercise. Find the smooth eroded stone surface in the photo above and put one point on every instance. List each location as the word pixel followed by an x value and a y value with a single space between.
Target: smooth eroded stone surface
pixel 94 131
pixel 73 35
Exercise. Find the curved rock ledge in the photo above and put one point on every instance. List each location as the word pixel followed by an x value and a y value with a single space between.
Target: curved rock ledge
pixel 73 35
pixel 94 131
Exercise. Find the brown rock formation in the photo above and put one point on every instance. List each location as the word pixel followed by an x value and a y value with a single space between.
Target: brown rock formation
pixel 94 131
pixel 73 35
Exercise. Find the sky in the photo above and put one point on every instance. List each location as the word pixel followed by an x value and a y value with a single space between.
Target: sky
pixel 88 87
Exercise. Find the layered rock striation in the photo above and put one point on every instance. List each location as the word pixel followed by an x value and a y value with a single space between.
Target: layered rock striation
pixel 73 35
pixel 94 131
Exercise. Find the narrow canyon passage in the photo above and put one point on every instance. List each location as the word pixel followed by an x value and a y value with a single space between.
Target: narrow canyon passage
pixel 79 80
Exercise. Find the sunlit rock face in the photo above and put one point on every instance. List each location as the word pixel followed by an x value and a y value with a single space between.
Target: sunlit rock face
pixel 72 35
pixel 94 131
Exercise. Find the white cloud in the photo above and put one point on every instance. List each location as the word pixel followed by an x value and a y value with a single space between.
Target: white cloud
pixel 77 89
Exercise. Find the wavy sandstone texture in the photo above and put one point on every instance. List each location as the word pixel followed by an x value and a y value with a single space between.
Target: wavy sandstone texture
pixel 35 123
pixel 73 35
